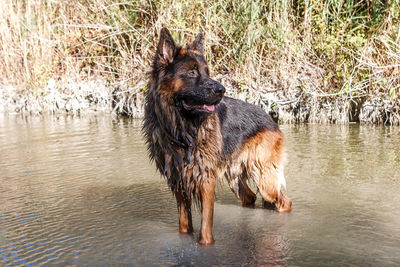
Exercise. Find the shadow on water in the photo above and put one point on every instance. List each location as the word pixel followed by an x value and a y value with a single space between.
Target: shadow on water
pixel 81 190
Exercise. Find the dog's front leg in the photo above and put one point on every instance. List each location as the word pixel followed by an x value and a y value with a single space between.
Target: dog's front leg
pixel 185 214
pixel 207 211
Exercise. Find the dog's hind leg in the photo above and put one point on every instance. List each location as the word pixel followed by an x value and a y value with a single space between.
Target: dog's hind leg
pixel 269 185
pixel 185 214
pixel 264 159
pixel 242 191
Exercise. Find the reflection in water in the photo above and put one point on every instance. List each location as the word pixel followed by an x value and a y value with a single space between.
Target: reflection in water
pixel 82 191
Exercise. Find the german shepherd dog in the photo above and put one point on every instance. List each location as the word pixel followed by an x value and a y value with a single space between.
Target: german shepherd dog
pixel 196 135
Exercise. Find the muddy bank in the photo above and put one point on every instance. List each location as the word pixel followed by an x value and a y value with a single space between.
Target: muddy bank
pixel 291 106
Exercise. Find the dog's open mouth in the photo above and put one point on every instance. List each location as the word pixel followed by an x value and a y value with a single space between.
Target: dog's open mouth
pixel 200 108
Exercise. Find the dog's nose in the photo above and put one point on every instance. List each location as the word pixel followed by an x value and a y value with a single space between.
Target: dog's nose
pixel 219 89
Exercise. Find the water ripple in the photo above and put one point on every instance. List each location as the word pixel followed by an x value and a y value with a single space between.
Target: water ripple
pixel 81 191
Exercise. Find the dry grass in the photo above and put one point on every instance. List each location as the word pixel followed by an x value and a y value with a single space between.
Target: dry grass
pixel 316 61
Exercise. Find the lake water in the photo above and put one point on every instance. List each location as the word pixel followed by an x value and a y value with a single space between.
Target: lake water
pixel 81 191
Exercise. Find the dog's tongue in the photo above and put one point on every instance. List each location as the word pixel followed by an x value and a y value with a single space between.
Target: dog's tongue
pixel 209 108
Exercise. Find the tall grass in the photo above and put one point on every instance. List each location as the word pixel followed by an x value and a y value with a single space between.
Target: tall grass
pixel 292 57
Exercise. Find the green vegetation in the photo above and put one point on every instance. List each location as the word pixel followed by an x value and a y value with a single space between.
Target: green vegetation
pixel 312 60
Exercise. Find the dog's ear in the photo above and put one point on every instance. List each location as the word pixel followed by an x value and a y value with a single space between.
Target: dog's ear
pixel 197 44
pixel 166 46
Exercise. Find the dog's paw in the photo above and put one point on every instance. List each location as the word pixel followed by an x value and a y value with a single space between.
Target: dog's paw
pixel 206 242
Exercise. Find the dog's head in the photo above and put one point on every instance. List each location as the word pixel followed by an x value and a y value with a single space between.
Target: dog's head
pixel 181 76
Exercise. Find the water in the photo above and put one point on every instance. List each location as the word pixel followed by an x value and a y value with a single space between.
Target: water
pixel 81 191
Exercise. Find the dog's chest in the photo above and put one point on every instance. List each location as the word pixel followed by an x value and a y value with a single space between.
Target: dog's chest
pixel 206 155
pixel 193 164
pixel 209 141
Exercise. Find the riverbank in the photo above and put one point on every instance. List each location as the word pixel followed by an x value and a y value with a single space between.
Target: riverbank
pixel 300 106
pixel 315 61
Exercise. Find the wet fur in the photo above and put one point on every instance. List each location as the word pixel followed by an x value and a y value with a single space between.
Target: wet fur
pixel 192 149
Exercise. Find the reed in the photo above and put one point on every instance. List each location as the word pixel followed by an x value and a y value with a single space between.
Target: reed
pixel 295 58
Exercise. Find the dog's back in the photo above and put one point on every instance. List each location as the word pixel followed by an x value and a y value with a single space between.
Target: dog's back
pixel 239 121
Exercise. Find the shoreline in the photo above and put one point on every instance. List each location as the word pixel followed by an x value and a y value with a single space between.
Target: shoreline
pixel 96 96
pixel 302 62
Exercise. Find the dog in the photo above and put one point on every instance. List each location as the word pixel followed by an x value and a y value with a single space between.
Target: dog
pixel 196 135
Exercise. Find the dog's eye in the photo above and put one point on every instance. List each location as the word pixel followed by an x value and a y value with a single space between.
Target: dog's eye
pixel 193 73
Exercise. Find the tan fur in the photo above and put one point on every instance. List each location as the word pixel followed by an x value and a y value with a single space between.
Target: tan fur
pixel 205 162
pixel 260 158
pixel 169 88
pixel 195 52
pixel 182 52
